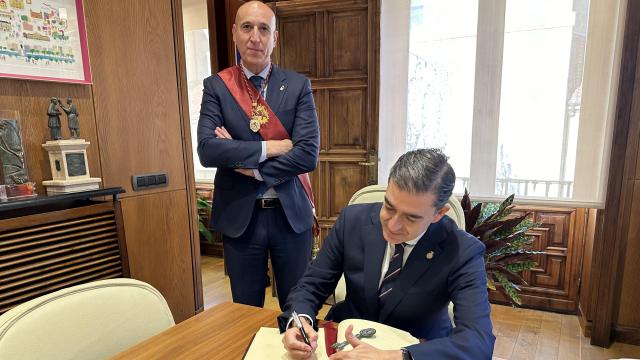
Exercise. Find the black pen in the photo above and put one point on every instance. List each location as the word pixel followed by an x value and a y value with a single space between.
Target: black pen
pixel 298 323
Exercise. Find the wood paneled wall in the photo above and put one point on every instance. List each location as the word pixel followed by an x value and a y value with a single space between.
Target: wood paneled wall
pixel 135 92
pixel 610 304
pixel 553 284
pixel 584 305
pixel 344 76
pixel 135 117
pixel 159 224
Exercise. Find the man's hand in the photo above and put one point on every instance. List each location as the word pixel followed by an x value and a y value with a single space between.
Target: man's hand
pixel 278 147
pixel 222 133
pixel 364 351
pixel 295 346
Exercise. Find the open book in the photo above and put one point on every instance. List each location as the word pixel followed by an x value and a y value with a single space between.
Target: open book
pixel 267 344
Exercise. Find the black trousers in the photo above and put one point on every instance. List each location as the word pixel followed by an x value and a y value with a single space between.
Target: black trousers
pixel 268 233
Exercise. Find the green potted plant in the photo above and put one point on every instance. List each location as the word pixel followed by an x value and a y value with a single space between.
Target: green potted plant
pixel 508 247
pixel 203 206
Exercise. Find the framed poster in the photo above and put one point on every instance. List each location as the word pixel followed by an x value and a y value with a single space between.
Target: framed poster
pixel 44 40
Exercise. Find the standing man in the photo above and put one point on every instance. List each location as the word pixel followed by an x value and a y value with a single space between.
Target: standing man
pixel 403 260
pixel 258 125
pixel 72 117
pixel 54 119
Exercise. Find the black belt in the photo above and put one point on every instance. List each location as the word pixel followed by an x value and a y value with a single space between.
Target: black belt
pixel 268 203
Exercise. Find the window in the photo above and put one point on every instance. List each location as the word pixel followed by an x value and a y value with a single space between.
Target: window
pixel 197 59
pixel 198 67
pixel 519 93
pixel 442 56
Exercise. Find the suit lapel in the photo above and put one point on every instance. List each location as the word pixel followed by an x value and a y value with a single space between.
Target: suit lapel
pixel 276 89
pixel 416 265
pixel 374 254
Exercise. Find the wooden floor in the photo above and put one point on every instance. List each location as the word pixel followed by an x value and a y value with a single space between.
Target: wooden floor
pixel 520 333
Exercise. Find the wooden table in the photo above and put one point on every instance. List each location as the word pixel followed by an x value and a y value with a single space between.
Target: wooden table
pixel 222 332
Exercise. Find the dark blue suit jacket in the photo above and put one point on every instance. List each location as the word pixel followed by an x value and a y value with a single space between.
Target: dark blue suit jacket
pixel 419 300
pixel 289 96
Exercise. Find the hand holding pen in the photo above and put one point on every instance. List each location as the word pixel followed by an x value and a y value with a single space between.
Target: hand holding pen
pixel 294 340
pixel 298 323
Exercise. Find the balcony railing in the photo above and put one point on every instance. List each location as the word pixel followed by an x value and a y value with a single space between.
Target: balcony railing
pixel 526 187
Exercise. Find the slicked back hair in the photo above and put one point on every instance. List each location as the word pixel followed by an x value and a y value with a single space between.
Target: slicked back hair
pixel 425 170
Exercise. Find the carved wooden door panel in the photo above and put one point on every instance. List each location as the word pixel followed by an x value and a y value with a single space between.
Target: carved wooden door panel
pixel 336 44
pixel 553 284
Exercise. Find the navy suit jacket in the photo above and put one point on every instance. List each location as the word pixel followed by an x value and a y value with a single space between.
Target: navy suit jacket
pixel 419 300
pixel 289 96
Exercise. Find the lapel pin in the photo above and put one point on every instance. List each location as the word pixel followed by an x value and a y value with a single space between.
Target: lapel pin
pixel 282 88
pixel 429 255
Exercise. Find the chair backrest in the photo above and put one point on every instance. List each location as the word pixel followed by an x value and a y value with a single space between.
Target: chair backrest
pixel 375 193
pixel 90 321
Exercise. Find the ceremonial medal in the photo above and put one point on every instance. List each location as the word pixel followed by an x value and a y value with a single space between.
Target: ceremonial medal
pixel 259 116
pixel 254 125
pixel 259 112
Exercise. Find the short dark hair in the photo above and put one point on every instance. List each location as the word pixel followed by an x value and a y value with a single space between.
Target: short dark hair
pixel 425 170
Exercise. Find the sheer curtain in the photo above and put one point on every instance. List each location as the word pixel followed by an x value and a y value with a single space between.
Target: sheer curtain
pixel 519 93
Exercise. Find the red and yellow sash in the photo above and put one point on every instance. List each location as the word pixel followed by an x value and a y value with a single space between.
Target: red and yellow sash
pixel 271 130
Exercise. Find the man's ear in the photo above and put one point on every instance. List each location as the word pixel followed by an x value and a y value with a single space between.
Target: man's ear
pixel 234 29
pixel 442 212
pixel 275 38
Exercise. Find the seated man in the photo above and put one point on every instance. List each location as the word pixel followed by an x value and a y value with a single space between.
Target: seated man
pixel 403 261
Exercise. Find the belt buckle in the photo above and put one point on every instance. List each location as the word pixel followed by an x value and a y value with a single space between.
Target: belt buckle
pixel 267 203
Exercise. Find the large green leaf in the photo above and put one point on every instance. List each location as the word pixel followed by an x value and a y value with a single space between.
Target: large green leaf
pixel 521 266
pixel 516 256
pixel 509 288
pixel 511 276
pixel 205 232
pixel 202 204
pixel 504 226
pixel 506 204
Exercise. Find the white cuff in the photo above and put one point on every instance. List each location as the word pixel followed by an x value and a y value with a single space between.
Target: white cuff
pixel 256 174
pixel 263 154
pixel 302 315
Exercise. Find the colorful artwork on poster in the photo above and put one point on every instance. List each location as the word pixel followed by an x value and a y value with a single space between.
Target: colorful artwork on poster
pixel 44 40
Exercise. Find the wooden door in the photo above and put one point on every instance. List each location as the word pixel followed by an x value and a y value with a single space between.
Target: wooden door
pixel 336 45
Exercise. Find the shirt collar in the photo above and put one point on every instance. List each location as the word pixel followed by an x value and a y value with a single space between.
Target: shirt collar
pixel 263 74
pixel 414 241
pixel 410 243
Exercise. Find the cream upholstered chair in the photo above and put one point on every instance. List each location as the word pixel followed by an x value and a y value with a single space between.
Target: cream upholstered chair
pixel 90 321
pixel 375 193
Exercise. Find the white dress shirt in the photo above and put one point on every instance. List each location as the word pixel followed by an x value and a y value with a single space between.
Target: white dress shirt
pixel 271 192
pixel 408 247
